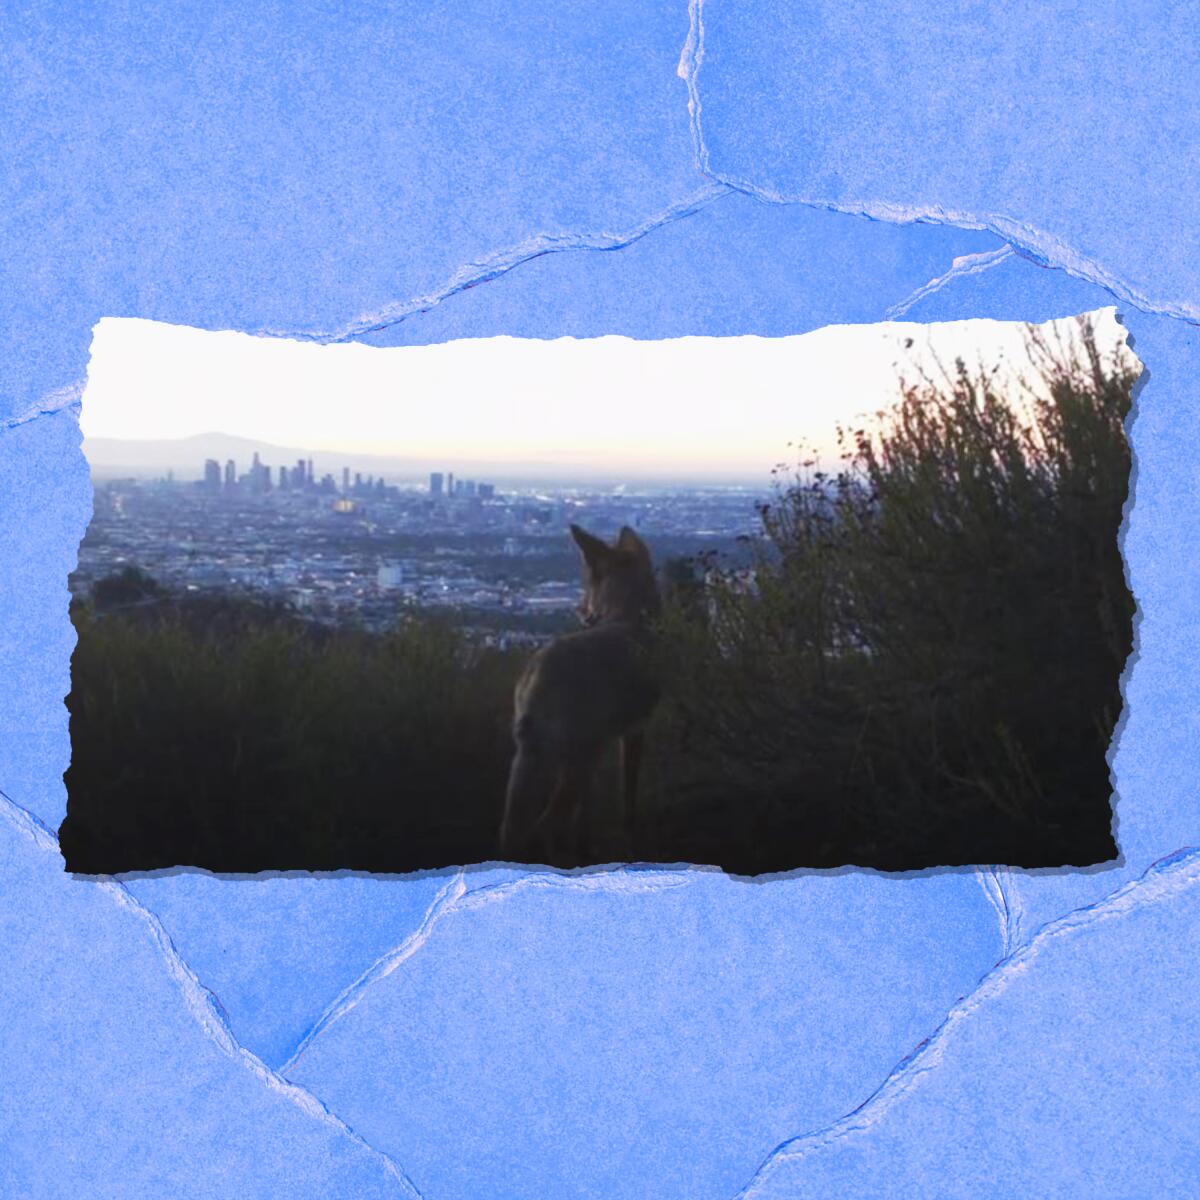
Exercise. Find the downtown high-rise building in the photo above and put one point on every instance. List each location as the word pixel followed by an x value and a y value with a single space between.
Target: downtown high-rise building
pixel 435 483
pixel 260 476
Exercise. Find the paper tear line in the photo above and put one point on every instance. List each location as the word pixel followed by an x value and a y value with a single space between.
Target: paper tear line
pixel 626 880
pixel 500 263
pixel 691 57
pixel 960 267
pixel 202 1004
pixel 67 397
pixel 455 898
pixel 1014 909
pixel 1033 243
pixel 348 998
pixel 1006 905
pixel 997 883
pixel 1163 880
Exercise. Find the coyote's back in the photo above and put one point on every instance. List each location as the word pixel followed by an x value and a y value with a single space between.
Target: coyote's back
pixel 577 696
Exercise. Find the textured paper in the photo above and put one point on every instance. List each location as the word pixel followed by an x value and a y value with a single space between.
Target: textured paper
pixel 355 173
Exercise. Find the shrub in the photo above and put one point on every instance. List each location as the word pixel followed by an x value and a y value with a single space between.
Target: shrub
pixel 926 668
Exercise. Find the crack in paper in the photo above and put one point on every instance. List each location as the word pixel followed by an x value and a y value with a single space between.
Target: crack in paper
pixel 1168 877
pixel 500 263
pixel 963 265
pixel 201 1004
pixel 455 898
pixel 1038 245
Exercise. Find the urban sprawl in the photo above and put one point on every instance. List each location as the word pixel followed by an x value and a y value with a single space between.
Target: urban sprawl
pixel 362 550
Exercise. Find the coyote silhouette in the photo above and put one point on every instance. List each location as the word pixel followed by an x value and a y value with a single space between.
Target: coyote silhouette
pixel 576 696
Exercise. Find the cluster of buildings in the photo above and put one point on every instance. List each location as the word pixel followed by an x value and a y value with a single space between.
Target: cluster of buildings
pixel 261 478
pixel 446 485
pixel 364 551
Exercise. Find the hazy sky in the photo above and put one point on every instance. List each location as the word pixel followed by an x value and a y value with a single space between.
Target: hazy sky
pixel 681 405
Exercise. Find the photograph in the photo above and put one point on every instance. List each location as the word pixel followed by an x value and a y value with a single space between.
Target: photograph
pixel 848 599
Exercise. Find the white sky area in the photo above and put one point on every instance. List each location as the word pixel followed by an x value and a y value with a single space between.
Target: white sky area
pixel 693 406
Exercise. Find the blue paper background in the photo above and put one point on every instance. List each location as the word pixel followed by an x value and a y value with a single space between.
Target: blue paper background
pixel 351 170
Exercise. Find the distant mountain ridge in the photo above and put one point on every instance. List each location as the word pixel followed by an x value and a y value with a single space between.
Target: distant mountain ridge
pixel 111 458
pixel 186 456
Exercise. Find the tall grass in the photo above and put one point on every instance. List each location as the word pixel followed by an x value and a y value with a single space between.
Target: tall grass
pixel 230 736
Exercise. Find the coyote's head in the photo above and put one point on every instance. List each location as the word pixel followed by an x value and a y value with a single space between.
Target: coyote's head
pixel 618 580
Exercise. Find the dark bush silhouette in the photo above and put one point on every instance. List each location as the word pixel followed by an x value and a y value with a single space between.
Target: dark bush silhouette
pixel 127 587
pixel 922 667
pixel 926 668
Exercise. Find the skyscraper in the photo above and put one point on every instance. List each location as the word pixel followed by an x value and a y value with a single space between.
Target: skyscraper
pixel 345 481
pixel 435 483
pixel 230 475
pixel 255 473
pixel 212 475
pixel 450 484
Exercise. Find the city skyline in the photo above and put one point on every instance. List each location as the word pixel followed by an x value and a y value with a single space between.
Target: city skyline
pixel 113 458
pixel 352 548
pixel 261 477
pixel 697 408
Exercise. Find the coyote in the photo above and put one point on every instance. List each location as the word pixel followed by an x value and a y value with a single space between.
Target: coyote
pixel 575 697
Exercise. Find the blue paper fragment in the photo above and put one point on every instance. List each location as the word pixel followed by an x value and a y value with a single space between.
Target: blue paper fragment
pixel 1071 1071
pixel 120 1075
pixel 1069 132
pixel 644 1033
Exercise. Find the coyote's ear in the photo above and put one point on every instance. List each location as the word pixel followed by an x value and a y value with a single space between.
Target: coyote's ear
pixel 592 548
pixel 628 540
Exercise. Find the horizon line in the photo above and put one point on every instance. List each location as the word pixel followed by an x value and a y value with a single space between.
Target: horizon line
pixel 414 464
